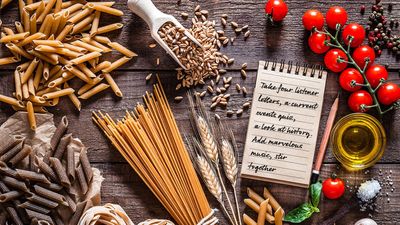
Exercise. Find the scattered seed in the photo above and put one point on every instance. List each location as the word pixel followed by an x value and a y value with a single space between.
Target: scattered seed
pixel 228 80
pixel 234 24
pixel 229 113
pixel 231 60
pixel 218 100
pixel 213 105
pixel 152 45
pixel 225 16
pixel 232 40
pixel 238 87
pixel 223 22
pixel 244 66
pixel 202 94
pixel 247 34
pixel 201 82
pixel 243 73
pixel 158 61
pixel 218 90
pixel 148 77
pixel 210 89
pixel 238 30
pixel 225 42
pixel 222 71
pixel 203 18
pixel 239 112
pixel 204 12
pixel 244 90
pixel 224 104
pixel 222 89
pixel 178 98
pixel 221 32
pixel 245 27
pixel 227 96
pixel 212 83
pixel 197 8
pixel 246 105
pixel 184 15
pixel 226 86
pixel 217 79
pixel 178 86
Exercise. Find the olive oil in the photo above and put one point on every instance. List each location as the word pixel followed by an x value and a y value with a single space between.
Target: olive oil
pixel 358 141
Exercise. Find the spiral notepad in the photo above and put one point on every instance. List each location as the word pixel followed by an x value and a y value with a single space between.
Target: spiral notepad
pixel 284 121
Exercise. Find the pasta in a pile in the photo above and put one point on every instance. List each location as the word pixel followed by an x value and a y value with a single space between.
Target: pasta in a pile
pixel 55 42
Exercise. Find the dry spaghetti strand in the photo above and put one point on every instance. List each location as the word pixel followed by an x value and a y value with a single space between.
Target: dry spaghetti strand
pixel 149 139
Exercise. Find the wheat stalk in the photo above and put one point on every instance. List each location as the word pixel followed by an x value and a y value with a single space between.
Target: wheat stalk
pixel 209 177
pixel 209 143
pixel 229 161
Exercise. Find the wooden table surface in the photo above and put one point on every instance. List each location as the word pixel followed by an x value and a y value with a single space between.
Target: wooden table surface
pixel 285 41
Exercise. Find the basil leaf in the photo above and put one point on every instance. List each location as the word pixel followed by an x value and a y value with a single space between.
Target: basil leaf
pixel 299 214
pixel 315 192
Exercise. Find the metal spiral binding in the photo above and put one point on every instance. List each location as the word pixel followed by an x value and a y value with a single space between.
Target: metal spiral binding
pixel 299 69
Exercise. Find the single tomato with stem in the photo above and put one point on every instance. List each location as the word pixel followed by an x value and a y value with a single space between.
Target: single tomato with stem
pixel 350 79
pixel 336 60
pixel 354 32
pixel 276 10
pixel 376 74
pixel 336 15
pixel 313 18
pixel 388 93
pixel 363 53
pixel 318 42
pixel 360 101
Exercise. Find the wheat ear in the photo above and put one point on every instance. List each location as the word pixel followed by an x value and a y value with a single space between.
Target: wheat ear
pixel 229 161
pixel 209 143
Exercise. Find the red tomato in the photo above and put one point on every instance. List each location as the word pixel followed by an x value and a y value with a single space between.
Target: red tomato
pixel 331 60
pixel 348 77
pixel 313 18
pixel 359 99
pixel 356 31
pixel 277 9
pixel 375 73
pixel 363 52
pixel 316 41
pixel 336 15
pixel 388 93
pixel 333 188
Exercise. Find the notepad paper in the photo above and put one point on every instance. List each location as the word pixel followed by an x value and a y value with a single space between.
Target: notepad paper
pixel 284 121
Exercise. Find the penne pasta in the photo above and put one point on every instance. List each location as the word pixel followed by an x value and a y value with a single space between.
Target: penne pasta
pixel 14 37
pixel 52 43
pixel 31 115
pixel 60 171
pixel 33 6
pixel 39 216
pixel 40 8
pixel 95 24
pixel 106 9
pixel 31 88
pixel 78 74
pixel 80 175
pixel 97 89
pixel 32 176
pixel 23 67
pixel 67 4
pixel 62 146
pixel 7 155
pixel 46 72
pixel 34 207
pixel 80 15
pixel 9 196
pixel 33 24
pixel 86 87
pixel 14 183
pixel 74 99
pixel 75 48
pixel 11 101
pixel 4 3
pixel 37 99
pixel 63 20
pixel 18 87
pixel 25 90
pixel 87 46
pixel 86 70
pixel 46 169
pixel 67 29
pixel 29 71
pixel 70 158
pixel 102 39
pixel 21 5
pixel 82 24
pixel 58 6
pixel 57 94
pixel 8 60
pixel 85 58
pixel 31 38
pixel 37 109
pixel 101 66
pixel 73 8
pixel 96 44
pixel 26 20
pixel 46 10
pixel 113 85
pixel 116 64
pixel 122 49
pixel 53 196
pixel 41 201
pixel 109 28
pixel 45 57
pixel 59 133
pixel 59 81
pixel 18 50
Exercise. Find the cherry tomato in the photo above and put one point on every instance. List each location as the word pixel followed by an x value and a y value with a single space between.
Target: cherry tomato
pixel 336 15
pixel 375 73
pixel 316 41
pixel 331 60
pixel 359 99
pixel 388 93
pixel 348 77
pixel 277 9
pixel 356 31
pixel 333 188
pixel 363 52
pixel 313 18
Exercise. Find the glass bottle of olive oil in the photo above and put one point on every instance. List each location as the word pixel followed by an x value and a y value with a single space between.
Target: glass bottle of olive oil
pixel 358 141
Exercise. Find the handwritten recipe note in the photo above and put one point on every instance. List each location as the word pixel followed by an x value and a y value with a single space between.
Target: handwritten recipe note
pixel 284 121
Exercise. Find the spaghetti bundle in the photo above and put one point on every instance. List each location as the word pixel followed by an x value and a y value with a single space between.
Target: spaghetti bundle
pixel 150 141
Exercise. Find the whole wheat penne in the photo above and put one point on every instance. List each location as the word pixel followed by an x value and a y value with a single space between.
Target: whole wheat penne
pixel 109 28
pixel 31 115
pixel 31 87
pixel 96 44
pixel 29 71
pixel 75 48
pixel 113 85
pixel 18 50
pixel 78 73
pixel 95 90
pixel 78 17
pixel 9 196
pixel 59 133
pixel 26 20
pixel 106 9
pixel 80 175
pixel 34 207
pixel 12 152
pixel 49 194
pixel 122 49
pixel 86 70
pixel 41 201
pixel 116 64
pixel 23 66
pixel 62 146
pixel 5 170
pixel 21 5
pixel 87 46
pixel 33 24
pixel 73 8
pixel 46 10
pixel 82 24
pixel 13 214
pixel 25 90
pixel 46 169
pixel 14 183
pixel 14 37
pixel 80 209
pixel 85 58
pixel 100 66
pixel 39 217
pixel 61 36
pixel 11 101
pixel 86 87
pixel 7 143
pixel 30 38
pixel 101 39
pixel 95 24
pixel 59 93
pixel 60 171
pixel 74 99
pixel 8 60
pixel 18 88
pixel 32 176
pixel 4 3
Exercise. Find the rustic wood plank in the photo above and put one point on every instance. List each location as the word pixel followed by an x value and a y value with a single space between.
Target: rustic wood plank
pixel 286 41
pixel 124 187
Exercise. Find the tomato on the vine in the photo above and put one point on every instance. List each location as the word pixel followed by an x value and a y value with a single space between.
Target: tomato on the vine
pixel 354 31
pixel 313 18
pixel 348 78
pixel 333 188
pixel 362 53
pixel 277 9
pixel 375 74
pixel 358 100
pixel 331 60
pixel 316 41
pixel 336 15
pixel 388 93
